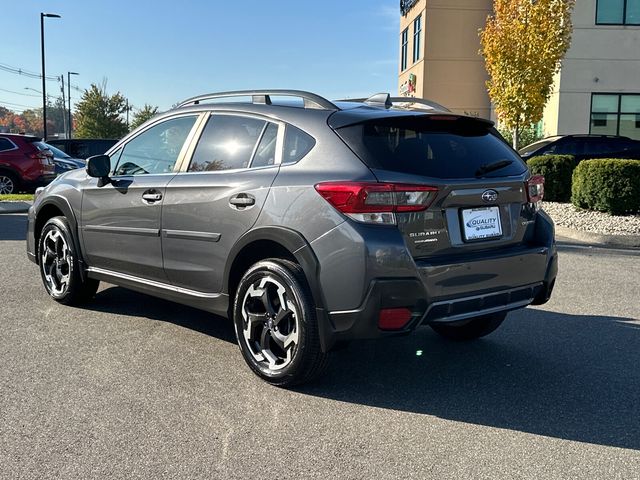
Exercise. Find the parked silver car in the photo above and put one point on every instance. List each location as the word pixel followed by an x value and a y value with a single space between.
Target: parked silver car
pixel 308 223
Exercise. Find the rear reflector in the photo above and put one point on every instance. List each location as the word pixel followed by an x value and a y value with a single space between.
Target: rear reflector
pixel 394 318
pixel 376 202
pixel 535 188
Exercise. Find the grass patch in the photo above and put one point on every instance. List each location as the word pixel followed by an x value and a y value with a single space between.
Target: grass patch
pixel 17 197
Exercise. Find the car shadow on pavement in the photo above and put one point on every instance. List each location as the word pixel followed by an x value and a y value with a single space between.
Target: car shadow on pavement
pixel 564 376
pixel 13 227
pixel 121 301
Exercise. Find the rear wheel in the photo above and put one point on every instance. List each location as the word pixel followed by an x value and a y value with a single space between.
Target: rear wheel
pixel 8 183
pixel 470 329
pixel 59 266
pixel 276 325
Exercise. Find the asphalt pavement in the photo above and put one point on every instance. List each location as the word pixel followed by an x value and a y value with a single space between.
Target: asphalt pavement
pixel 136 387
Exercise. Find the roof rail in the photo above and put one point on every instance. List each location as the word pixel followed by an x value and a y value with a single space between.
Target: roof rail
pixel 311 100
pixel 387 101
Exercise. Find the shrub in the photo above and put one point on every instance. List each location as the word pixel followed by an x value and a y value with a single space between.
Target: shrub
pixel 557 171
pixel 607 185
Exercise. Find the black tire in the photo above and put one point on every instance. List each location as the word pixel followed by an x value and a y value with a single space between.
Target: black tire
pixel 470 329
pixel 288 350
pixel 9 183
pixel 59 265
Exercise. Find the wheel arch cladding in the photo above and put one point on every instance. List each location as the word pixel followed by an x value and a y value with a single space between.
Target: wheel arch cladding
pixel 271 242
pixel 54 207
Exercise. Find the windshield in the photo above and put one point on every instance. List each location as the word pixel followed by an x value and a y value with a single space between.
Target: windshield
pixel 57 153
pixel 537 145
pixel 451 147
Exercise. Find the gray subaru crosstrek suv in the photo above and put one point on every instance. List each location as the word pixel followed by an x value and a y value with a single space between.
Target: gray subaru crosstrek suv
pixel 308 223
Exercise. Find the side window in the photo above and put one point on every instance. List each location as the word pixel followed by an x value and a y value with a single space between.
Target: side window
pixel 155 150
pixel 266 151
pixel 227 143
pixel 5 145
pixel 569 147
pixel 296 144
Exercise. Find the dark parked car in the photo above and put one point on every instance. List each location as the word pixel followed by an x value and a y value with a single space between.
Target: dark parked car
pixel 309 226
pixel 25 163
pixel 64 162
pixel 82 148
pixel 584 147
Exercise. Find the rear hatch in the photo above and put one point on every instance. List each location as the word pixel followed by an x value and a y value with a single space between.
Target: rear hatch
pixel 481 200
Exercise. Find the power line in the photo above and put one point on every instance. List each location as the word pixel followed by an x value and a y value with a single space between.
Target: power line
pixel 2 102
pixel 25 73
pixel 20 93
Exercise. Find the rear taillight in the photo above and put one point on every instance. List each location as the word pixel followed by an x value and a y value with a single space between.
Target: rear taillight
pixel 376 202
pixel 42 157
pixel 393 318
pixel 535 188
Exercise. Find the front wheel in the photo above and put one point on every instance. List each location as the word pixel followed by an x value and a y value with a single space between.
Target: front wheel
pixel 59 265
pixel 470 329
pixel 276 325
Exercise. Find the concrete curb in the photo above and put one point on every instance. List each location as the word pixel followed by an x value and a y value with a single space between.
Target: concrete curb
pixel 14 207
pixel 625 241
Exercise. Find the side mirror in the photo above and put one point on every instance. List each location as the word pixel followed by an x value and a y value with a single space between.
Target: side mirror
pixel 99 166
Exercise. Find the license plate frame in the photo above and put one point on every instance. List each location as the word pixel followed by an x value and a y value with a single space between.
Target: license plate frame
pixel 481 224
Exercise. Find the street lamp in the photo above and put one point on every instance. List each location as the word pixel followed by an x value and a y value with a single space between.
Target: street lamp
pixel 44 86
pixel 69 98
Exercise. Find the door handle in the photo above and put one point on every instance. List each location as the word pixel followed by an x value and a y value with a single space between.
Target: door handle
pixel 152 196
pixel 242 200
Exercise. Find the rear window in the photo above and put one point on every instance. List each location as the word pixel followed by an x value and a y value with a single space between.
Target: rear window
pixel 431 147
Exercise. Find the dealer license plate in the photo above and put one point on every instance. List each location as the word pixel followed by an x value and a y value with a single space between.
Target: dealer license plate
pixel 481 223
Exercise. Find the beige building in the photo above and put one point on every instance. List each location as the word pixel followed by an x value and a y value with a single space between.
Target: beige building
pixel 439 57
pixel 596 91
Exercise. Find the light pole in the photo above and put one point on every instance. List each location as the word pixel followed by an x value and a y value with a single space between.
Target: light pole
pixel 44 80
pixel 69 99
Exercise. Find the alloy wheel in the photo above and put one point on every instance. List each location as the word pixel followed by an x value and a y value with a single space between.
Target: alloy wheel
pixel 6 185
pixel 270 323
pixel 56 261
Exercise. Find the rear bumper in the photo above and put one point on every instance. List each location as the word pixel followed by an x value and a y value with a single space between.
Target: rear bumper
pixel 450 292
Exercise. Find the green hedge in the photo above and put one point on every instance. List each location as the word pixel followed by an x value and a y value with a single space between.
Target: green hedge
pixel 557 171
pixel 607 185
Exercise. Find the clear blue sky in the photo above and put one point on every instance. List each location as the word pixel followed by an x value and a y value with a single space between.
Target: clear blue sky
pixel 160 52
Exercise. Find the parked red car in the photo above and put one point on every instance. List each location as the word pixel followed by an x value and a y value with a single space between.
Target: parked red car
pixel 25 163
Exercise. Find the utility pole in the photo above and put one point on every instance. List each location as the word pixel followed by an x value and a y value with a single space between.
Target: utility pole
pixel 44 79
pixel 127 107
pixel 69 98
pixel 64 113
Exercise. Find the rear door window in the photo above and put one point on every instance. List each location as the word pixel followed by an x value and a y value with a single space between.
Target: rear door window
pixel 438 148
pixel 227 142
pixel 6 145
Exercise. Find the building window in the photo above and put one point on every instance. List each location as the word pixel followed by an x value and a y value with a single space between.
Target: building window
pixel 417 33
pixel 615 114
pixel 405 49
pixel 618 12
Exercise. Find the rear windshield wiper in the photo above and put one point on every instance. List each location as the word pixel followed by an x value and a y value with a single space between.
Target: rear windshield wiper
pixel 492 167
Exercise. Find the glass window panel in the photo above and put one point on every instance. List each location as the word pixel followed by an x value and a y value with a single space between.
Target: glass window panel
pixel 633 12
pixel 630 126
pixel 5 144
pixel 610 11
pixel 296 144
pixel 604 124
pixel 266 151
pixel 155 150
pixel 605 103
pixel 630 104
pixel 227 143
